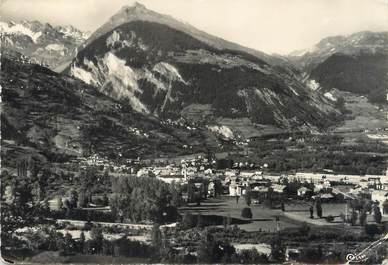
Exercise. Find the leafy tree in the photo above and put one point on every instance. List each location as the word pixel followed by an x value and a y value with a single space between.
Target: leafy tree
pixel 218 189
pixel 311 209
pixel 42 182
pixel 68 243
pixel 23 193
pixel 250 256
pixel 362 218
pixel 54 240
pixel 88 226
pixel 21 213
pixel 82 242
pixel 156 236
pixel 318 206
pixel 128 248
pixel 96 238
pixel 367 206
pixel 107 247
pixel 87 180
pixel 246 213
pixel 292 187
pixel 197 197
pixel 385 206
pixel 176 194
pixel 105 200
pixel 311 254
pixel 142 199
pixel 212 251
pixel 190 191
pixel 377 214
pixel 277 249
pixel 205 249
pixel 67 204
pixel 73 201
pixel 82 200
pixel 353 218
pixel 96 233
pixel 269 200
pixel 357 205
pixel 248 196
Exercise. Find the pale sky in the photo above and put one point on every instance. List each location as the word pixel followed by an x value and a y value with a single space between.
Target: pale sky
pixel 272 26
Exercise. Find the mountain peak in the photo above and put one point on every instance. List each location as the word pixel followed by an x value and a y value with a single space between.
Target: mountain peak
pixel 138 12
pixel 136 7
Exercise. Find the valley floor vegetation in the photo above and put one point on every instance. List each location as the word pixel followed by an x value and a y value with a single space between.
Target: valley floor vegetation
pixel 146 219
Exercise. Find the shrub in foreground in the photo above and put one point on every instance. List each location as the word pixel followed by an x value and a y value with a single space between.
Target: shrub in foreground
pixel 246 213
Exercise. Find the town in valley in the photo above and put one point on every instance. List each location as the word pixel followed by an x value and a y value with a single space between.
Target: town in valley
pixel 147 140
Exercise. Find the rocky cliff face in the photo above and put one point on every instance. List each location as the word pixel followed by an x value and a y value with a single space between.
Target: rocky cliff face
pixel 161 70
pixel 57 117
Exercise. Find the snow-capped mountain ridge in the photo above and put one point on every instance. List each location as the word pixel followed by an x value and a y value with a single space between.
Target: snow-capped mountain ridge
pixel 42 42
pixel 352 44
pixel 72 32
pixel 18 29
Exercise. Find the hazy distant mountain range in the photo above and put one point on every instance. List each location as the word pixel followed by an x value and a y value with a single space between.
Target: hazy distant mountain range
pixel 47 45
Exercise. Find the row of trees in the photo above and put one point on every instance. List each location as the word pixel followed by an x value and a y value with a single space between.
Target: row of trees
pixel 47 238
pixel 360 209
pixel 361 216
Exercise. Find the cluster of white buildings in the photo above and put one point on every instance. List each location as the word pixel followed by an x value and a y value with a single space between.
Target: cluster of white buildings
pixel 138 132
pixel 375 185
pixel 106 164
pixel 180 123
pixel 235 181
pixel 188 168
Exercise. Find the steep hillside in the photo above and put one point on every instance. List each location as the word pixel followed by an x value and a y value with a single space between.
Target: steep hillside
pixel 57 117
pixel 364 74
pixel 47 45
pixel 161 71
pixel 356 63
